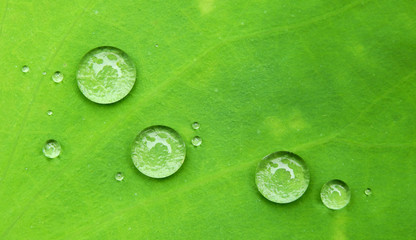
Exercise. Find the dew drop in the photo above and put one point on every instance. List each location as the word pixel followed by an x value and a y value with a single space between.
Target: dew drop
pixel 195 125
pixel 43 73
pixel 119 176
pixel 57 77
pixel 282 177
pixel 157 45
pixel 106 75
pixel 52 149
pixel 196 141
pixel 25 69
pixel 335 194
pixel 50 113
pixel 158 151
pixel 368 192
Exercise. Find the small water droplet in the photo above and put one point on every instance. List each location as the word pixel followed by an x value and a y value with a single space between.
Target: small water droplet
pixel 43 73
pixel 156 45
pixel 368 192
pixel 52 149
pixel 335 194
pixel 57 77
pixel 195 125
pixel 282 177
pixel 158 151
pixel 106 75
pixel 25 69
pixel 119 176
pixel 50 113
pixel 196 141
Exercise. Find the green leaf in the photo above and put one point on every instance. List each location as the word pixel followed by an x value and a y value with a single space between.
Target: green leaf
pixel 332 81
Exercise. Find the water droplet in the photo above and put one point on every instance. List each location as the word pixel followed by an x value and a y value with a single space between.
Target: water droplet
pixel 156 45
pixel 119 176
pixel 195 125
pixel 57 77
pixel 106 75
pixel 158 151
pixel 50 113
pixel 368 192
pixel 196 141
pixel 43 73
pixel 335 194
pixel 52 149
pixel 25 69
pixel 282 177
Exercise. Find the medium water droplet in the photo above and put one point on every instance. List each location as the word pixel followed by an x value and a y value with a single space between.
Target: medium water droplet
pixel 119 176
pixel 282 177
pixel 106 75
pixel 158 151
pixel 195 125
pixel 52 149
pixel 368 192
pixel 50 113
pixel 196 141
pixel 25 69
pixel 335 194
pixel 57 77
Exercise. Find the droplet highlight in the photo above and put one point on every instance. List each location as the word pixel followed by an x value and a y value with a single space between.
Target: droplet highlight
pixel 196 141
pixel 335 194
pixel 25 69
pixel 50 113
pixel 119 176
pixel 195 125
pixel 368 192
pixel 282 177
pixel 57 77
pixel 106 75
pixel 158 151
pixel 52 149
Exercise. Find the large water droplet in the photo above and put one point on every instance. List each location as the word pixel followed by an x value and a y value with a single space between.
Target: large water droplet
pixel 106 75
pixel 282 177
pixel 335 194
pixel 119 176
pixel 158 151
pixel 25 69
pixel 57 77
pixel 52 149
pixel 196 141
pixel 368 192
pixel 195 125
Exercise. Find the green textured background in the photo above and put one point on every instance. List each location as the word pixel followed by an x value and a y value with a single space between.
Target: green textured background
pixel 331 80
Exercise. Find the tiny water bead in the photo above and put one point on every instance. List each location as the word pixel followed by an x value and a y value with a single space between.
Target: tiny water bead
pixel 52 149
pixel 106 75
pixel 50 113
pixel 335 194
pixel 119 176
pixel 25 69
pixel 57 77
pixel 368 192
pixel 195 125
pixel 158 151
pixel 282 177
pixel 196 141
pixel 43 73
